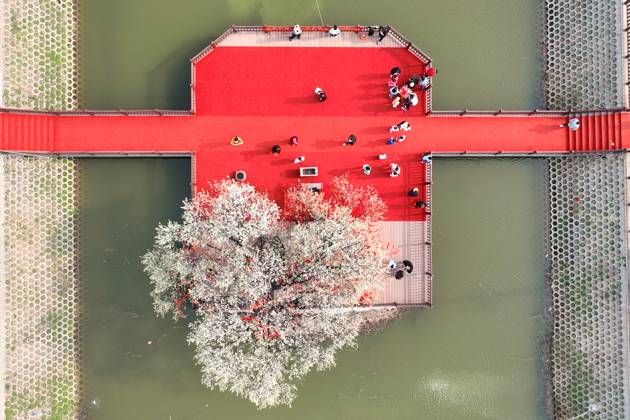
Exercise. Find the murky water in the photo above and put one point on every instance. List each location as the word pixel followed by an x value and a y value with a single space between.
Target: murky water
pixel 475 355
pixel 136 52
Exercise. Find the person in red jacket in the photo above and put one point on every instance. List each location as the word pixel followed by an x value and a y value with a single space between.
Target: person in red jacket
pixel 430 72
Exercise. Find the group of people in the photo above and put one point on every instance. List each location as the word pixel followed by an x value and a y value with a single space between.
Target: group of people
pixel 394 168
pixel 404 95
pixel 380 31
pixel 398 268
pixel 293 141
pixel 405 92
pixel 401 126
pixel 414 193
pixel 296 32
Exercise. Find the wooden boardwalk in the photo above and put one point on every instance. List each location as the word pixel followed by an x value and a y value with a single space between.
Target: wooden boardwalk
pixel 409 238
pixel 308 39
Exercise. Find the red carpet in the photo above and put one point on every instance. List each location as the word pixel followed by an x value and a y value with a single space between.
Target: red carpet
pixel 264 95
pixel 280 81
pixel 319 141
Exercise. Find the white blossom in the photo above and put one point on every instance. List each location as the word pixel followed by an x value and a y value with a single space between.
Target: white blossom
pixel 273 298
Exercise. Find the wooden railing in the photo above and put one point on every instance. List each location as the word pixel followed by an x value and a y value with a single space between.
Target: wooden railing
pixel 193 174
pixel 625 19
pixel 526 153
pixel 463 113
pixel 525 113
pixel 423 57
pixel 428 246
pixel 415 50
pixel 113 113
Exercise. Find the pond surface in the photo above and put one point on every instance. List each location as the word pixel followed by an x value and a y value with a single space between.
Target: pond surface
pixel 475 355
pixel 136 52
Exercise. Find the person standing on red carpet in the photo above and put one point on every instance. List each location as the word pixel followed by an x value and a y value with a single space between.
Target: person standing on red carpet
pixel 299 159
pixel 404 91
pixel 320 94
pixel 573 124
pixel 413 99
pixel 403 125
pixel 394 73
pixel 406 104
pixel 394 140
pixel 293 141
pixel 276 150
pixel 394 170
pixel 430 72
pixel 393 91
pixel 413 81
pixel 425 83
pixel 352 139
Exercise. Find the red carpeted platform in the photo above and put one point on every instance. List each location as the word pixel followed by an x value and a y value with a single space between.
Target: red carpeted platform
pixel 277 81
pixel 264 95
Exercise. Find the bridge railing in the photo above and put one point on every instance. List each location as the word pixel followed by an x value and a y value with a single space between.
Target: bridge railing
pixel 428 246
pixel 423 57
pixel 216 42
pixel 193 173
pixel 451 113
pixel 267 28
pixel 625 19
pixel 525 113
pixel 523 154
pixel 414 49
pixel 113 113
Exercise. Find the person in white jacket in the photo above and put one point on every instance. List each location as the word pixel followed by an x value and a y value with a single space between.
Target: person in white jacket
pixel 296 32
pixel 394 170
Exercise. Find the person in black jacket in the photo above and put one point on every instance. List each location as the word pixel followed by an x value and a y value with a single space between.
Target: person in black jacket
pixel 382 33
pixel 408 266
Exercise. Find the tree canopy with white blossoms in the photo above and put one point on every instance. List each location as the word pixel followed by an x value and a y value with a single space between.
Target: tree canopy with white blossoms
pixel 275 293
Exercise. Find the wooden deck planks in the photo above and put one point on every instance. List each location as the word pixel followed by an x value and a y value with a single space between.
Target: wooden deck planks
pixel 409 237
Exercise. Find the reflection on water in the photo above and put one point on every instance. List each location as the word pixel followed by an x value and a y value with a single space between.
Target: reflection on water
pixel 475 355
pixel 136 52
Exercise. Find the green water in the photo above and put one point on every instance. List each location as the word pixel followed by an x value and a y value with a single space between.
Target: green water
pixel 136 52
pixel 475 355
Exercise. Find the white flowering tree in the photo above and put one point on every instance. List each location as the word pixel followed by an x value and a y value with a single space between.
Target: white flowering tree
pixel 275 294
